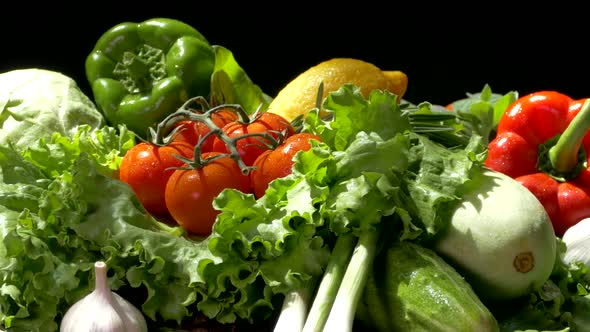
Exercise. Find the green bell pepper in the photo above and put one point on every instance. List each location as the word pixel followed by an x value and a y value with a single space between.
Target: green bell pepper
pixel 141 72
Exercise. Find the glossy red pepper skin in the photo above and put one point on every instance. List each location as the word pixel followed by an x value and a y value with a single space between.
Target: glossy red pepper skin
pixel 529 122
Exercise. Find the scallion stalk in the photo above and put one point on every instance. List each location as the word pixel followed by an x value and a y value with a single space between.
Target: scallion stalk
pixel 295 308
pixel 331 280
pixel 351 289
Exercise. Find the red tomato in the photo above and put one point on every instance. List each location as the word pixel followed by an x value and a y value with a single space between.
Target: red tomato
pixel 145 168
pixel 190 192
pixel 192 131
pixel 277 163
pixel 251 147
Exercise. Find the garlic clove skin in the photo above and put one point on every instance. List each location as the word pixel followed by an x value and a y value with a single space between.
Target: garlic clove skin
pixel 577 240
pixel 103 310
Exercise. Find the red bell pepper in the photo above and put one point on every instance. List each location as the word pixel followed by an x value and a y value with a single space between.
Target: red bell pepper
pixel 542 141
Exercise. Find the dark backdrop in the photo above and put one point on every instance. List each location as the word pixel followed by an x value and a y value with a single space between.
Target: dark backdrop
pixel 445 50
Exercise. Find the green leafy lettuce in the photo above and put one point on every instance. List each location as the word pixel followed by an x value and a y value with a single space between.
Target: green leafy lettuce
pixel 60 214
pixel 61 209
pixel 369 166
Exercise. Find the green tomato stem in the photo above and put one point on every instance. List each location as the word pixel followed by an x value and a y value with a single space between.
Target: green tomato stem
pixel 139 71
pixel 137 68
pixel 564 154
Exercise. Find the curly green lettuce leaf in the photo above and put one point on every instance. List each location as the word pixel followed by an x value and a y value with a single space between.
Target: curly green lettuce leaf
pixel 14 170
pixel 379 113
pixel 82 217
pixel 367 184
pixel 54 226
pixel 376 135
pixel 435 178
pixel 273 241
pixel 105 146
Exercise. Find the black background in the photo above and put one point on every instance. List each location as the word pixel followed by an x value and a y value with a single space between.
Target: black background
pixel 446 50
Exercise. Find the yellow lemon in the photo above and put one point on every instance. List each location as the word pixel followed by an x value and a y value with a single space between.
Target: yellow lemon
pixel 301 94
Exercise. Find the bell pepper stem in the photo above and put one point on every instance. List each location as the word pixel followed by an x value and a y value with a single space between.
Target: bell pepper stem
pixel 564 154
pixel 137 68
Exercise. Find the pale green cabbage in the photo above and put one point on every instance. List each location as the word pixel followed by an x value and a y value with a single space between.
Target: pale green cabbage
pixel 35 103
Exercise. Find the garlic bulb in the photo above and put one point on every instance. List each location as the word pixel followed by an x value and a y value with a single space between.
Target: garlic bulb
pixel 103 310
pixel 577 240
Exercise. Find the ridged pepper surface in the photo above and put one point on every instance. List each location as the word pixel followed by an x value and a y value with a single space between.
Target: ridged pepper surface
pixel 141 72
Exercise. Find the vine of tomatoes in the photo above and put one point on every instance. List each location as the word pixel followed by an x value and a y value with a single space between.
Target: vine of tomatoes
pixel 191 131
pixel 196 154
pixel 250 145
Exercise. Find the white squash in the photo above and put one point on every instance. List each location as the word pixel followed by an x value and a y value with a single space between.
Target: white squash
pixel 500 237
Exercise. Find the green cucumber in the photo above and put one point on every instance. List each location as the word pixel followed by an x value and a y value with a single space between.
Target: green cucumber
pixel 411 288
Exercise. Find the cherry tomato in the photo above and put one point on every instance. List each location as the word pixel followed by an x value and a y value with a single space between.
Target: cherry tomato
pixel 145 167
pixel 191 131
pixel 277 163
pixel 190 192
pixel 251 147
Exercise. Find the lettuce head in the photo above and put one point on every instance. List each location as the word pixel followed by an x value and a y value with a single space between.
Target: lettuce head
pixel 35 103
